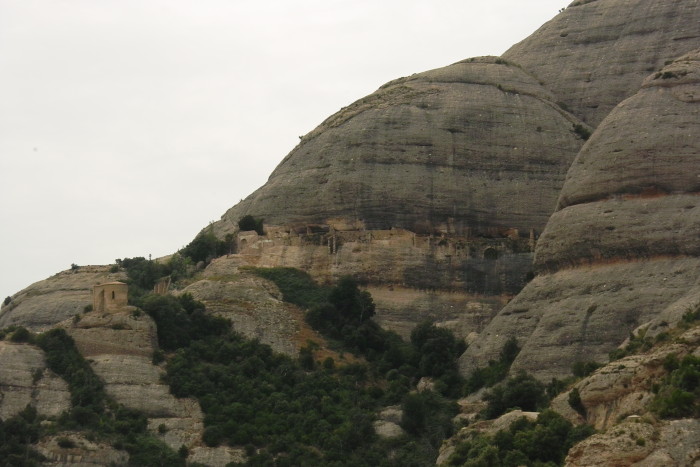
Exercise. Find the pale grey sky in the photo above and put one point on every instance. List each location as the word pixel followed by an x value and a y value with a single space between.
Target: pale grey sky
pixel 126 126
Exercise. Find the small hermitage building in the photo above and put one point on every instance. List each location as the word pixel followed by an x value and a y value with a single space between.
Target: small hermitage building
pixel 109 296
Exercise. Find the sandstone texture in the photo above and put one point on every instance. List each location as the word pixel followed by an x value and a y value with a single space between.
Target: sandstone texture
pixel 473 147
pixel 458 282
pixel 624 387
pixel 46 303
pixel 622 249
pixel 253 305
pixel 595 54
pixel 119 346
pixel 84 453
pixel 581 314
pixel 25 380
pixel 636 442
pixel 488 427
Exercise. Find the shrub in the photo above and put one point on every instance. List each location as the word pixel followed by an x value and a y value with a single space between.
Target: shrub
pixel 543 442
pixel 582 369
pixel 438 349
pixel 428 413
pixel 181 320
pixel 576 403
pixel 582 131
pixel 21 334
pixel 248 222
pixel 297 286
pixel 496 370
pixel 204 247
pixel 521 391
pixel 679 396
pixel 65 443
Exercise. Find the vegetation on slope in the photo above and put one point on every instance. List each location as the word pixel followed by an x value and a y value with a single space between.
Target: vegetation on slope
pixel 92 411
pixel 544 442
pixel 296 412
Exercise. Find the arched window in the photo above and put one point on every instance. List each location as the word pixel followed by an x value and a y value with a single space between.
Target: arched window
pixel 490 253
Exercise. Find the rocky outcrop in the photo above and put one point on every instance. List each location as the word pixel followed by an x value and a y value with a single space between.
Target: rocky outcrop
pixel 470 148
pixel 25 380
pixel 595 54
pixel 73 449
pixel 459 282
pixel 255 307
pixel 119 347
pixel 617 400
pixel 621 250
pixel 625 387
pixel 46 303
pixel 487 427
pixel 637 442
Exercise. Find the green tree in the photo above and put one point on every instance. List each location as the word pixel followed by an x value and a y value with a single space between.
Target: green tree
pixel 354 306
pixel 248 222
pixel 522 391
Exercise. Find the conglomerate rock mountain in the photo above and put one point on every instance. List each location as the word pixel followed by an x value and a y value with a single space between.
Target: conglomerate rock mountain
pixel 622 248
pixel 596 53
pixel 472 148
pixel 434 190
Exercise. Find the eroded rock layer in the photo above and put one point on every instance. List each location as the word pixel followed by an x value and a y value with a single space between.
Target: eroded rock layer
pixel 596 53
pixel 45 303
pixel 471 148
pixel 622 250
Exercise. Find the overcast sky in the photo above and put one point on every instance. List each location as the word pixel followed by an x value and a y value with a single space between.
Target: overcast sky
pixel 126 126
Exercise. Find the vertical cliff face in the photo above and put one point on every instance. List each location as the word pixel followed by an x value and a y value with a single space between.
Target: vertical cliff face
pixel 622 248
pixel 596 53
pixel 473 147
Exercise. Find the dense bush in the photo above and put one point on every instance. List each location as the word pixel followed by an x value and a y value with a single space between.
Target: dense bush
pixel 521 391
pixel 17 434
pixel 582 369
pixel 62 357
pixel 296 286
pixel 20 334
pixel 298 412
pixel 679 396
pixel 496 370
pixel 542 442
pixel 576 403
pixel 582 131
pixel 295 415
pixel 143 274
pixel 181 320
pixel 206 246
pixel 248 222
pixel 438 349
pixel 91 409
pixel 429 414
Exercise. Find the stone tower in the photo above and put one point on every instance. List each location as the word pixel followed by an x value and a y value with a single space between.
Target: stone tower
pixel 109 296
